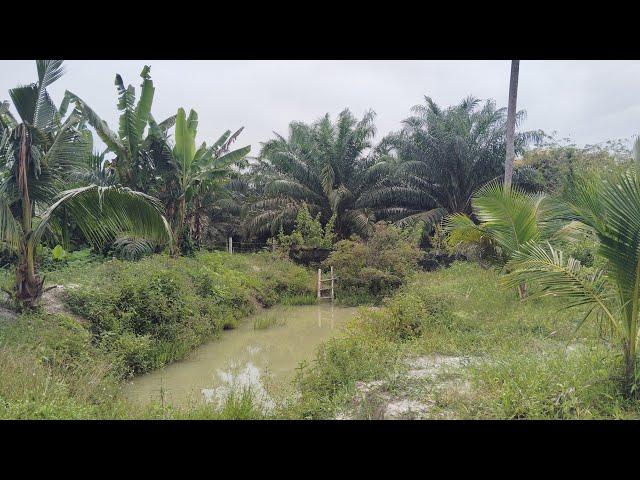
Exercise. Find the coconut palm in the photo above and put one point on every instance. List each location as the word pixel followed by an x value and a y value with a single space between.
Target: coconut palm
pixel 38 156
pixel 191 173
pixel 611 208
pixel 444 156
pixel 323 164
pixel 508 220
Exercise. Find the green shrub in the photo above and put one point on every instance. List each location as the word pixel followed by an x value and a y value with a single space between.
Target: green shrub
pixel 308 232
pixel 154 311
pixel 373 269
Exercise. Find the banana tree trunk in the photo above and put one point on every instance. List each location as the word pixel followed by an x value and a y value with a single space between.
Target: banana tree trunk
pixel 178 233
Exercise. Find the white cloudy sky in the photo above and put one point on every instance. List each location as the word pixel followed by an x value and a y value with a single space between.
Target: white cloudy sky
pixel 588 101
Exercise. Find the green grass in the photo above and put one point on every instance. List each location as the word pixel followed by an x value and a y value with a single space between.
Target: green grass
pixel 269 320
pixel 532 364
pixel 138 316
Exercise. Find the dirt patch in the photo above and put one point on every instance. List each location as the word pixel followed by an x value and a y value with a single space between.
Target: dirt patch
pixel 436 376
pixel 53 301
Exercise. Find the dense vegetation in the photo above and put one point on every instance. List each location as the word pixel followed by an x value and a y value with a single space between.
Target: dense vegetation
pixel 130 231
pixel 529 362
pixel 134 317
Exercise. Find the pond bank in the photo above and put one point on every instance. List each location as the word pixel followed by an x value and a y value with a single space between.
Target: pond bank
pixel 247 357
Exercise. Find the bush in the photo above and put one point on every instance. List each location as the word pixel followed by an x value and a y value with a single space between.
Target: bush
pixel 152 312
pixel 370 270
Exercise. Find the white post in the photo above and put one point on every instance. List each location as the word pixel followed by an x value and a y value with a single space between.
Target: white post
pixel 332 296
pixel 319 281
pixel 230 244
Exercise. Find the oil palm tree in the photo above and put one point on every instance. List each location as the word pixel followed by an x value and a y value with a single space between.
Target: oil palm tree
pixel 38 155
pixel 611 208
pixel 444 156
pixel 323 164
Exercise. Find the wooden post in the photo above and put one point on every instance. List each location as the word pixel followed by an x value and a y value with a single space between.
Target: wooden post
pixel 319 282
pixel 230 244
pixel 332 297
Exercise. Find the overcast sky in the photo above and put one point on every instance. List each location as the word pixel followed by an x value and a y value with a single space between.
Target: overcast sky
pixel 588 101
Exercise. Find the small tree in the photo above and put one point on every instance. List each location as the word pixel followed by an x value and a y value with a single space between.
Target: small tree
pixel 38 156
pixel 610 208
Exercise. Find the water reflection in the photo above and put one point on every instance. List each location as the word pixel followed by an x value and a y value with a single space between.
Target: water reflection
pixel 263 361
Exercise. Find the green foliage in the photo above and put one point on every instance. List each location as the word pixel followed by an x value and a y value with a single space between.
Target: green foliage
pixel 155 311
pixel 553 166
pixel 268 320
pixel 609 208
pixel 525 368
pixel 308 232
pixel 443 156
pixel 51 369
pixel 323 165
pixel 508 220
pixel 40 157
pixel 58 254
pixel 370 270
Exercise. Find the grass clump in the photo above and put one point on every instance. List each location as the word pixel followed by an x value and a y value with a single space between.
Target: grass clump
pixel 269 319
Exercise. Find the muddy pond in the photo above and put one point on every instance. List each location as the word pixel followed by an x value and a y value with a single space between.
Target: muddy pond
pixel 262 354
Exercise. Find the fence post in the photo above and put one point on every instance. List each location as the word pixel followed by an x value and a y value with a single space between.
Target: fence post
pixel 319 281
pixel 332 296
pixel 230 244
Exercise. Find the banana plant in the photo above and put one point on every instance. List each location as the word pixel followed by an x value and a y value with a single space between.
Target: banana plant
pixel 130 145
pixel 38 156
pixel 196 171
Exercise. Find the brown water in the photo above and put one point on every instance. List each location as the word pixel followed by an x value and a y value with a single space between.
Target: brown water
pixel 264 360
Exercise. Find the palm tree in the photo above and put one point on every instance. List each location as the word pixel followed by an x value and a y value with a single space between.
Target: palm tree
pixel 132 164
pixel 511 123
pixel 444 156
pixel 323 164
pixel 193 173
pixel 508 221
pixel 610 207
pixel 38 156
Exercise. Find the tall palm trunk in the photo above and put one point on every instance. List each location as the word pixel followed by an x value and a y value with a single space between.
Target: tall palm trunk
pixel 28 285
pixel 511 123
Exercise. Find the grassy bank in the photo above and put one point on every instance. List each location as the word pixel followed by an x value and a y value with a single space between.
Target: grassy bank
pixel 518 359
pixel 524 359
pixel 129 318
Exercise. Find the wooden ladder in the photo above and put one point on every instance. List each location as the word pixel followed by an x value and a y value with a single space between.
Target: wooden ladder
pixel 322 288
